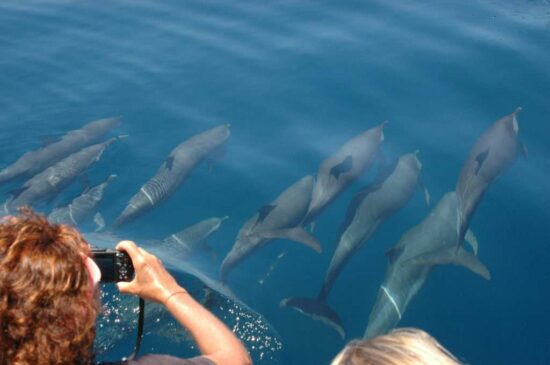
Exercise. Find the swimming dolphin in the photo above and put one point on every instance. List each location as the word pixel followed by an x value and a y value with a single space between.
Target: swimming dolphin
pixel 177 167
pixel 494 152
pixel 33 162
pixel 432 242
pixel 370 207
pixel 47 184
pixel 81 207
pixel 193 238
pixel 278 219
pixel 339 170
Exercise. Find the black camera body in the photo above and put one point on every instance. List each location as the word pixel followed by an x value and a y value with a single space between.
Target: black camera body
pixel 114 265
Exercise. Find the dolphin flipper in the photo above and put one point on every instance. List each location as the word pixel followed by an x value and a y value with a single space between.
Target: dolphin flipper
pixel 471 239
pixel 297 234
pixel 318 310
pixel 452 256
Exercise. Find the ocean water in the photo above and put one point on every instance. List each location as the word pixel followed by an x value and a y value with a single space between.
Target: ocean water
pixel 296 80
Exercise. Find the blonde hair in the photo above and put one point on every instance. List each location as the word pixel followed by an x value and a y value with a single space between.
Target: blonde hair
pixel 404 346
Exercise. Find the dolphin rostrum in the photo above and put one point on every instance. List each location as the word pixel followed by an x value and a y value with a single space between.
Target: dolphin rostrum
pixel 370 207
pixel 176 168
pixel 47 184
pixel 193 238
pixel 434 241
pixel 279 219
pixel 81 207
pixel 339 170
pixel 33 162
pixel 494 152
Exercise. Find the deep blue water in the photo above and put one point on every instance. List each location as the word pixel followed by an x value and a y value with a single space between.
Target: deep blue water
pixel 296 80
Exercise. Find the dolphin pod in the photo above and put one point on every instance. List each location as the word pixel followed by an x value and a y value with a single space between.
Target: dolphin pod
pixel 179 164
pixel 193 238
pixel 279 219
pixel 47 184
pixel 38 160
pixel 370 207
pixel 339 170
pixel 81 207
pixel 438 238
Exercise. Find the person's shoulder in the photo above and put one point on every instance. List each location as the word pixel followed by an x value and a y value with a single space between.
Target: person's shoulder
pixel 167 360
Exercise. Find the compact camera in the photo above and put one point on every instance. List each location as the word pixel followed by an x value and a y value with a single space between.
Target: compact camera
pixel 114 265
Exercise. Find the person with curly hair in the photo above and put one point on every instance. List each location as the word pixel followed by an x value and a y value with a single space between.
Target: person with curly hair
pixel 49 299
pixel 404 346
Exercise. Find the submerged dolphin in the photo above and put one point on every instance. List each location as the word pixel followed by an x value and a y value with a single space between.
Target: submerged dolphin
pixel 47 184
pixel 434 241
pixel 36 161
pixel 193 238
pixel 173 172
pixel 370 207
pixel 279 219
pixel 339 170
pixel 494 152
pixel 80 207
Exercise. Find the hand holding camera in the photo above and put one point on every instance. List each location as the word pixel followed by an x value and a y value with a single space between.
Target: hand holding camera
pixel 151 281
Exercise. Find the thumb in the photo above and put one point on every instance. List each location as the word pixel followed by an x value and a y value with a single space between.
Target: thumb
pixel 125 287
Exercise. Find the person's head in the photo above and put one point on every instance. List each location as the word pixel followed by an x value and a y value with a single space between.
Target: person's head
pixel 48 306
pixel 405 346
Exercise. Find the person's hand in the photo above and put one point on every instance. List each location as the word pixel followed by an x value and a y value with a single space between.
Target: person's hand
pixel 152 281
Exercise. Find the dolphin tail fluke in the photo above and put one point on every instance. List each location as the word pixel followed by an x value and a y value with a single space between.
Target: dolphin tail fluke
pixel 452 256
pixel 318 310
pixel 297 234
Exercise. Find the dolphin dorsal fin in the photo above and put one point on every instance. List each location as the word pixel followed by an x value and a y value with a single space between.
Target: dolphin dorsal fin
pixel 480 159
pixel 342 167
pixel 169 163
pixel 393 253
pixel 264 211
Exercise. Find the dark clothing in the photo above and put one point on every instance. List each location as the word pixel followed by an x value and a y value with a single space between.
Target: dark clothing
pixel 165 360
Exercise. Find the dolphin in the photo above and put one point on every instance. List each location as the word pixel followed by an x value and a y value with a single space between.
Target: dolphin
pixel 33 162
pixel 279 219
pixel 434 241
pixel 339 170
pixel 176 168
pixel 47 184
pixel 81 207
pixel 370 207
pixel 193 238
pixel 492 154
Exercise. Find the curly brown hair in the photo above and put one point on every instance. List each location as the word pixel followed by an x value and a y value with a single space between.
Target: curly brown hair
pixel 47 315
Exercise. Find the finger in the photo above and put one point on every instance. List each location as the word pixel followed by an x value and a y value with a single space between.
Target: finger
pixel 132 250
pixel 125 287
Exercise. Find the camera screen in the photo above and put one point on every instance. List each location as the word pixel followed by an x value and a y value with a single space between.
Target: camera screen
pixel 107 266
